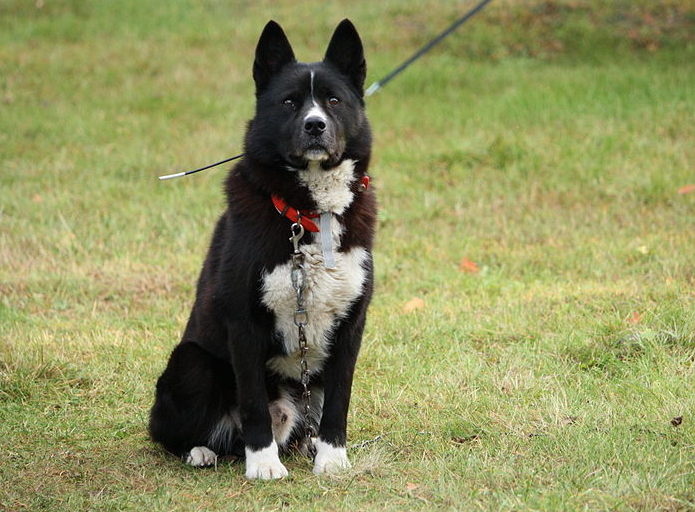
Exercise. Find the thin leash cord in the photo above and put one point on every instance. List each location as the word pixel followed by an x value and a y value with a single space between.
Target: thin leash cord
pixel 379 84
pixel 463 19
pixel 179 174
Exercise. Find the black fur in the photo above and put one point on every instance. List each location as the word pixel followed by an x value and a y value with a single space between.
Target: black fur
pixel 220 363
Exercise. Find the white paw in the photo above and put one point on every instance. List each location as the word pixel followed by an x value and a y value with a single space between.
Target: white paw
pixel 200 456
pixel 264 464
pixel 329 458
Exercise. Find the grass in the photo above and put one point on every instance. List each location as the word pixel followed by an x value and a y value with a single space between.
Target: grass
pixel 546 142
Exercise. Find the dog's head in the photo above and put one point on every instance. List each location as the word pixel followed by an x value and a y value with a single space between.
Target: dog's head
pixel 308 112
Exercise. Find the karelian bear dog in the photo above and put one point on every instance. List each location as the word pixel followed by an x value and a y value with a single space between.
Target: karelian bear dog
pixel 233 385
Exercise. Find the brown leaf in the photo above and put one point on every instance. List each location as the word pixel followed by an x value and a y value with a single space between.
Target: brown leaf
pixel 635 318
pixel 569 420
pixel 687 189
pixel 468 266
pixel 463 440
pixel 413 304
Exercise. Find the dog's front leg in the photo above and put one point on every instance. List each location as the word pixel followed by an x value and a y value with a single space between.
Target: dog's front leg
pixel 331 452
pixel 262 460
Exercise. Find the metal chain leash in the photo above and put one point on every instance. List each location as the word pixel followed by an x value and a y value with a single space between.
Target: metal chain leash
pixel 301 318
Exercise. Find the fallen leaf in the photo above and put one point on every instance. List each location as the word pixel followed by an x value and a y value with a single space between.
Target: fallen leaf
pixel 468 266
pixel 677 421
pixel 687 189
pixel 463 440
pixel 635 318
pixel 569 420
pixel 413 304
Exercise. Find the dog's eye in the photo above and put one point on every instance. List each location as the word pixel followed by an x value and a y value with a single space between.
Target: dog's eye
pixel 288 103
pixel 333 101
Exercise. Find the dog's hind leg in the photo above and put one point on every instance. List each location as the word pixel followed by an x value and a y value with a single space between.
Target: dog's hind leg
pixel 193 412
pixel 284 416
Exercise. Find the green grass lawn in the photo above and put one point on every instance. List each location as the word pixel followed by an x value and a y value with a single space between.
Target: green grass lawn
pixel 545 142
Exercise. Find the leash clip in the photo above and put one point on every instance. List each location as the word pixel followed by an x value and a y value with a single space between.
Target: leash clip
pixel 297 232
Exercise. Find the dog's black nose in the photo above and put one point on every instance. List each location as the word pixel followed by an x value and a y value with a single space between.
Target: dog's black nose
pixel 314 126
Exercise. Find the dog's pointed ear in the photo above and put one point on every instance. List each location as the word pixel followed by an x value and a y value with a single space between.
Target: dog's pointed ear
pixel 273 52
pixel 345 52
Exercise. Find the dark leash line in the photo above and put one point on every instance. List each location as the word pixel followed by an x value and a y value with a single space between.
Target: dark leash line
pixel 463 19
pixel 379 84
pixel 186 173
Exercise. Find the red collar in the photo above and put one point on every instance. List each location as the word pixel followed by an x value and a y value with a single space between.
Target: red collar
pixel 364 183
pixel 287 211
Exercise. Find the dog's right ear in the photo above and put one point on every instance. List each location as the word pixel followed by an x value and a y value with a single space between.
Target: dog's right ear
pixel 273 52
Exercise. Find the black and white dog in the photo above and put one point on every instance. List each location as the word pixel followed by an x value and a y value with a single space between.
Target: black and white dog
pixel 232 385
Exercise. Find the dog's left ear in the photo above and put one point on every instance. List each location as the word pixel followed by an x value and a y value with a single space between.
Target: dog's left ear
pixel 345 52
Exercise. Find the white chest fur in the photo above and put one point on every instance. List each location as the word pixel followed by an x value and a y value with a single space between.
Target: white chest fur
pixel 328 297
pixel 330 189
pixel 330 291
